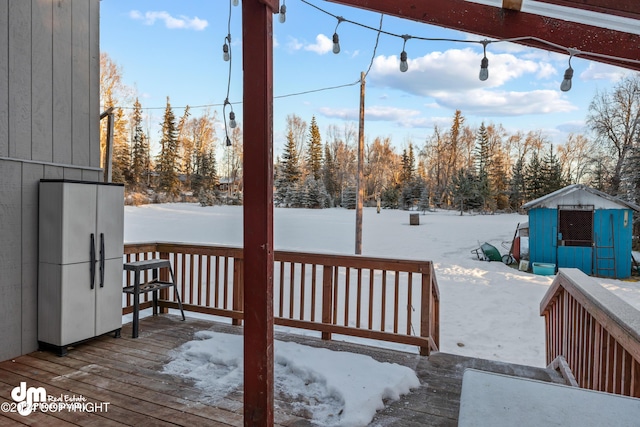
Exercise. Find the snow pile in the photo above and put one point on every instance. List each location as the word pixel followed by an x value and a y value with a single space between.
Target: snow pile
pixel 330 387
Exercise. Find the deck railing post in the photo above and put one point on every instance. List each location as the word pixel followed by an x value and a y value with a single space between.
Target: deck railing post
pixel 238 288
pixel 435 306
pixel 327 298
pixel 425 310
pixel 164 277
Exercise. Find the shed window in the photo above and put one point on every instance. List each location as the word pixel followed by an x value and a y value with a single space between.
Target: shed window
pixel 576 227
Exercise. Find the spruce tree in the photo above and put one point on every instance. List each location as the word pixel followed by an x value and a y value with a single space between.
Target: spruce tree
pixel 483 159
pixel 551 173
pixel 463 189
pixel 140 150
pixel 289 175
pixel 534 178
pixel 517 190
pixel 168 157
pixel 314 151
pixel 329 170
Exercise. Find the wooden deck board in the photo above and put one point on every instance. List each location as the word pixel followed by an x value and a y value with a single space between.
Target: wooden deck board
pixel 127 373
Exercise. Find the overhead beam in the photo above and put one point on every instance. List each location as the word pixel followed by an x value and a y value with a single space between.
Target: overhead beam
pixel 499 23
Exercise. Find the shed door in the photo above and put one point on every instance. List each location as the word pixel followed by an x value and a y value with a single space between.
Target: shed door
pixel 575 237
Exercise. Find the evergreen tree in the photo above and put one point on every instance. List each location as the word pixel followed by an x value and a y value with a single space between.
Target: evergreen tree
pixel 463 188
pixel 329 172
pixel 534 178
pixel 390 197
pixel 289 175
pixel 551 173
pixel 314 151
pixel 168 157
pixel 140 163
pixel 483 159
pixel 349 197
pixel 314 194
pixel 517 190
pixel 424 204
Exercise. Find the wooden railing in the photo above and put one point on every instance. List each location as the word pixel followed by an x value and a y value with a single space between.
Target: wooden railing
pixel 381 299
pixel 597 333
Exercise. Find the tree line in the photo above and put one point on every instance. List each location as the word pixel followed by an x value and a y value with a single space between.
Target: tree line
pixel 481 168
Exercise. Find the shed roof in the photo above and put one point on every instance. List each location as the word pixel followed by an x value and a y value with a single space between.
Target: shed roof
pixel 577 194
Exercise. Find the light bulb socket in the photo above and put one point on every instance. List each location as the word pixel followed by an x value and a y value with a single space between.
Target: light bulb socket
pixel 228 143
pixel 336 43
pixel 484 69
pixel 566 83
pixel 404 65
pixel 225 52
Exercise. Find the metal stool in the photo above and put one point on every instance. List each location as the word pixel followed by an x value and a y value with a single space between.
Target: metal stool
pixel 154 285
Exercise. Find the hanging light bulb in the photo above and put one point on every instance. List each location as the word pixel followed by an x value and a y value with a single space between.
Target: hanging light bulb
pixel 336 38
pixel 236 2
pixel 336 43
pixel 404 65
pixel 232 120
pixel 283 14
pixel 565 86
pixel 484 64
pixel 225 51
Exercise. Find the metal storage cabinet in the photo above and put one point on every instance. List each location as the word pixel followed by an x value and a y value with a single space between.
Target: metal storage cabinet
pixel 80 261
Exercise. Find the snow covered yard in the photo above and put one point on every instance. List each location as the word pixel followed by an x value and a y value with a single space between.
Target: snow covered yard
pixel 487 309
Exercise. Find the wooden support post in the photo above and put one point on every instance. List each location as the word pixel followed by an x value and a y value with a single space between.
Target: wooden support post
pixel 257 51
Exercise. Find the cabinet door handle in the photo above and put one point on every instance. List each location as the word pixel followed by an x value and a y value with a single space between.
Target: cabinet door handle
pixel 102 260
pixel 92 261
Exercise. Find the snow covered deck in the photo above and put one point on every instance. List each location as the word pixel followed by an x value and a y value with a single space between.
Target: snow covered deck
pixel 127 373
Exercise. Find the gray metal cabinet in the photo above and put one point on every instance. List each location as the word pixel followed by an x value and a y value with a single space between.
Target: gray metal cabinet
pixel 81 227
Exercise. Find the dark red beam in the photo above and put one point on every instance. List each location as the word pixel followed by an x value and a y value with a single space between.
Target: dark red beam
pixel 257 51
pixel 498 23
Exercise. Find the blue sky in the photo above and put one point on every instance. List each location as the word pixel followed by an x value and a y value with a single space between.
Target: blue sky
pixel 174 48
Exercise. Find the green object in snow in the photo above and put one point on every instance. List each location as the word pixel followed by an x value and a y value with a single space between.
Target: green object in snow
pixel 490 252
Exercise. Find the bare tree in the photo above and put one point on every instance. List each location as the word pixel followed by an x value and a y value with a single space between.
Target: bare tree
pixel 614 117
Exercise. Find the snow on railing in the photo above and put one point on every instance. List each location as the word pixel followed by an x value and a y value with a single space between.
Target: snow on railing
pixel 595 331
pixel 376 298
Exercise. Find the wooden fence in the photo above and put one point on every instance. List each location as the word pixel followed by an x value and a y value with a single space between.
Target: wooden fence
pixel 381 299
pixel 597 333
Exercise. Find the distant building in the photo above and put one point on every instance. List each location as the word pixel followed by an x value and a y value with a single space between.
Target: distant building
pixel 580 227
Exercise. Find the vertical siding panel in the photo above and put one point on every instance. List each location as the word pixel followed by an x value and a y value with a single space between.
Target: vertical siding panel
pixel 80 67
pixel 62 98
pixel 42 82
pixel 94 85
pixel 10 259
pixel 4 78
pixel 20 79
pixel 31 174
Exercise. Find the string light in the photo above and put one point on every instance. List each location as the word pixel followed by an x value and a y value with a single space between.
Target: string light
pixel 404 65
pixel 226 55
pixel 336 38
pixel 236 2
pixel 232 120
pixel 565 86
pixel 282 16
pixel 484 63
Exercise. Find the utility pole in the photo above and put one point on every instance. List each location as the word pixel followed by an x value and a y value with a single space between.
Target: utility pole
pixel 360 177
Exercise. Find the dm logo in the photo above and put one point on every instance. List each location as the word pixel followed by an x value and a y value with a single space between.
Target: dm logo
pixel 26 397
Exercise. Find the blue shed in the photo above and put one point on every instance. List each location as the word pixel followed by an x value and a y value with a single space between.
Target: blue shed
pixel 580 227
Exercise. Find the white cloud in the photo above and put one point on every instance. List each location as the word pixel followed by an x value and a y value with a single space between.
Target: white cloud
pixel 599 71
pixel 321 46
pixel 454 69
pixel 294 44
pixel 171 22
pixel 401 116
pixel 504 103
pixel 577 126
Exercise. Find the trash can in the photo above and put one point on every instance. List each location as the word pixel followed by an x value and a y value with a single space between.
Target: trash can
pixel 414 219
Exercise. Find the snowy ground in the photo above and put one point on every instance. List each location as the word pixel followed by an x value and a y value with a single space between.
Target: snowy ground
pixel 487 309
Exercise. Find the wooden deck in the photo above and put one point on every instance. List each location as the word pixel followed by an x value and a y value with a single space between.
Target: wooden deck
pixel 127 373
